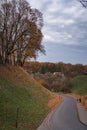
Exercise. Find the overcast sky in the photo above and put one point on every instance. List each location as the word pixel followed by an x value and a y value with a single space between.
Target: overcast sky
pixel 65 30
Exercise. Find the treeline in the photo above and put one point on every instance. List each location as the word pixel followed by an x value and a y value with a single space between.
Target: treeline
pixel 55 76
pixel 69 70
pixel 20 32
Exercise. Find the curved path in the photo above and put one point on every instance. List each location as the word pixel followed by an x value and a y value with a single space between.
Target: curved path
pixel 65 117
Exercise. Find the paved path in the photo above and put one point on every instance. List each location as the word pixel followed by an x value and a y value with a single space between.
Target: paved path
pixel 65 117
pixel 82 113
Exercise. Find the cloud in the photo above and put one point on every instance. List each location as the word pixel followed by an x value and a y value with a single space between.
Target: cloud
pixel 58 37
pixel 64 21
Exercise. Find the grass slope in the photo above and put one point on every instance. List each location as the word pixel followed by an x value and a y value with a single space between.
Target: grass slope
pixel 20 92
pixel 79 84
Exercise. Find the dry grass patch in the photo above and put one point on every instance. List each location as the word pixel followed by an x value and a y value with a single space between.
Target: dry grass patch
pixel 55 102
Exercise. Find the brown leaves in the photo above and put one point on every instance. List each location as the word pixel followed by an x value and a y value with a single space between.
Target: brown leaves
pixel 20 31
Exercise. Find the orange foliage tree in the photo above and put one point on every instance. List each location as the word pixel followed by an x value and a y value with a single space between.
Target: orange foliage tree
pixel 20 32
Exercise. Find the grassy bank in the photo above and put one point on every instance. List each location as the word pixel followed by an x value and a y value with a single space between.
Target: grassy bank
pixel 23 102
pixel 79 85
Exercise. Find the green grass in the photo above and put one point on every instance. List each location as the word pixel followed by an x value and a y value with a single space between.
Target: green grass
pixel 31 99
pixel 79 85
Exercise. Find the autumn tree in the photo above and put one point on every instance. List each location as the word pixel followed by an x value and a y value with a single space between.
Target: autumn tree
pixel 20 32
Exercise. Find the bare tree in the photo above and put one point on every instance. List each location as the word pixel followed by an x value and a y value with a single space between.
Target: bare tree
pixel 83 2
pixel 20 31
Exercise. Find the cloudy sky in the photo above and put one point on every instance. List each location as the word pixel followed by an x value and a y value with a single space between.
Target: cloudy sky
pixel 65 30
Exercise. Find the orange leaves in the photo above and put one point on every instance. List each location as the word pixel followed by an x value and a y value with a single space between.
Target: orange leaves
pixel 21 36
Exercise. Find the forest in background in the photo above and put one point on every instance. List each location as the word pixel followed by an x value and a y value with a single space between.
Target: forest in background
pixel 55 76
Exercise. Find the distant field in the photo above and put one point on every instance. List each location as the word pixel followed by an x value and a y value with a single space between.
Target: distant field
pixel 79 84
pixel 23 101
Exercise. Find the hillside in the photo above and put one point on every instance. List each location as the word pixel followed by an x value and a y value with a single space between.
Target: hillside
pixel 23 102
pixel 79 85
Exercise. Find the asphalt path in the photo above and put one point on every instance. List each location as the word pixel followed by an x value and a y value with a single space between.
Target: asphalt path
pixel 65 117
